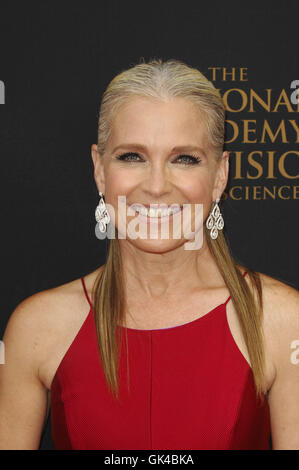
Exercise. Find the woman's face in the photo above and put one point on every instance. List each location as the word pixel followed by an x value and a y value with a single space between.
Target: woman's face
pixel 158 153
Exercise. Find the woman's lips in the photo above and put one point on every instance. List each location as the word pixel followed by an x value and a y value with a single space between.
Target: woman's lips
pixel 156 220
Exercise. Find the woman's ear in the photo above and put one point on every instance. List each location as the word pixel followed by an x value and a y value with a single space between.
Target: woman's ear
pixel 221 176
pixel 98 164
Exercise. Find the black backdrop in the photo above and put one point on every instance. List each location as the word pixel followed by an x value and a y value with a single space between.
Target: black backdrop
pixel 57 59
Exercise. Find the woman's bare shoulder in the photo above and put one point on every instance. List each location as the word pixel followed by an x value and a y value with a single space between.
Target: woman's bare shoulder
pixel 46 304
pixel 280 310
pixel 273 287
pixel 46 315
pixel 280 298
pixel 43 306
pixel 279 294
pixel 40 317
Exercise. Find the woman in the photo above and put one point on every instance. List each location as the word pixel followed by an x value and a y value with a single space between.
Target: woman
pixel 163 347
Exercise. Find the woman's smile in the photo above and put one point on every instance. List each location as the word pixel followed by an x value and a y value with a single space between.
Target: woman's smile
pixel 156 210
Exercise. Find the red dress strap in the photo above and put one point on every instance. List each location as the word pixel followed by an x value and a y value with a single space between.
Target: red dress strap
pixel 85 291
pixel 244 274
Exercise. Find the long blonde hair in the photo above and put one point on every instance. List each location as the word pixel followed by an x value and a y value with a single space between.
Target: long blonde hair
pixel 163 80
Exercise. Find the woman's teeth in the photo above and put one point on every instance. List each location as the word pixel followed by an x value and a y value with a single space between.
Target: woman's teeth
pixel 156 212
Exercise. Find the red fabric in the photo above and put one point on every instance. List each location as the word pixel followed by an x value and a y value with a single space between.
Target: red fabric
pixel 190 388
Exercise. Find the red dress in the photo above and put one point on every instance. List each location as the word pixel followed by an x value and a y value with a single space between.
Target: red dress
pixel 190 388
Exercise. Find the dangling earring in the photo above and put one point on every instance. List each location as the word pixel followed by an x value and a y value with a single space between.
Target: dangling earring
pixel 215 221
pixel 102 215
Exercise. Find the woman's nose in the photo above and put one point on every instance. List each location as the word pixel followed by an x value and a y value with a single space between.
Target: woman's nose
pixel 157 181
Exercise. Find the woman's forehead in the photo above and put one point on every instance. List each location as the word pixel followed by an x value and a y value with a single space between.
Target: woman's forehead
pixel 157 119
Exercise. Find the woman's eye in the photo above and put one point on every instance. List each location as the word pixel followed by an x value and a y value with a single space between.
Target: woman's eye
pixel 129 157
pixel 189 159
pixel 135 157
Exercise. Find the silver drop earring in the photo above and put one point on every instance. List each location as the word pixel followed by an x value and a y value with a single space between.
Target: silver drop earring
pixel 215 221
pixel 102 215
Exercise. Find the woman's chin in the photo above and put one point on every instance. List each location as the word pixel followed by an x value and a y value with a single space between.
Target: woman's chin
pixel 157 245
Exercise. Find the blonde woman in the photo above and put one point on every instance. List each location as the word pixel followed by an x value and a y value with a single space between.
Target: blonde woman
pixel 165 346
